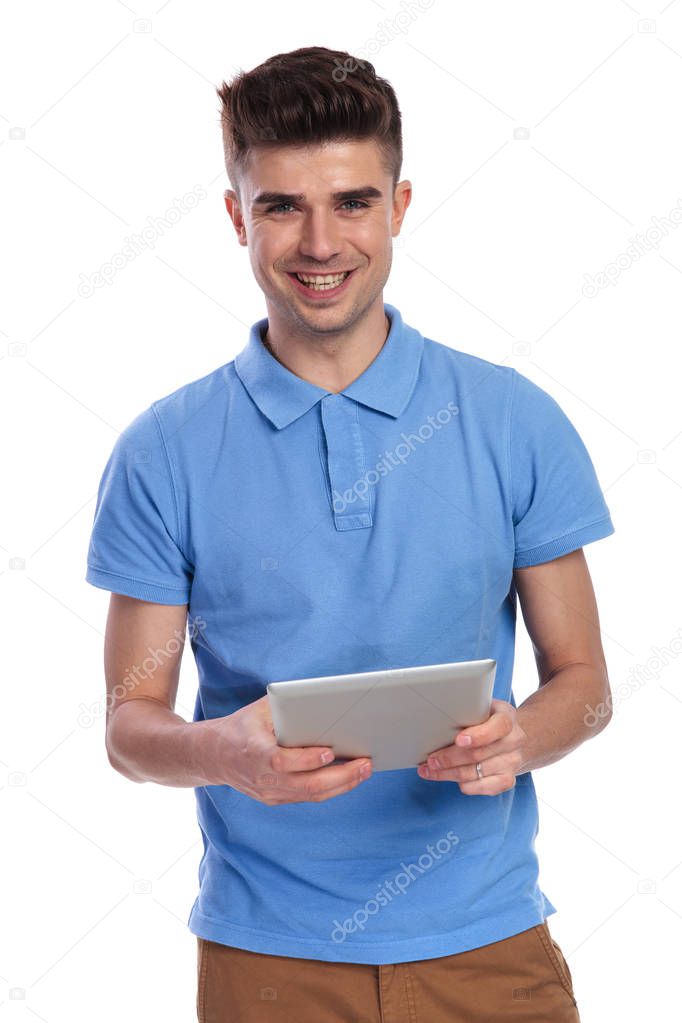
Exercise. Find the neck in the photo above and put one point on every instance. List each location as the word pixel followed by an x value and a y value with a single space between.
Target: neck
pixel 331 360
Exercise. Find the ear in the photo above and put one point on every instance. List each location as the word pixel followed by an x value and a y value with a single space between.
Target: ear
pixel 402 196
pixel 235 214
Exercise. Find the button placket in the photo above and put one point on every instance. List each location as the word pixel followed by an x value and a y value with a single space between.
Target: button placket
pixel 351 505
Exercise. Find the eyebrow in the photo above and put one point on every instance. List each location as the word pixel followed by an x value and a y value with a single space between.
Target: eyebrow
pixel 272 198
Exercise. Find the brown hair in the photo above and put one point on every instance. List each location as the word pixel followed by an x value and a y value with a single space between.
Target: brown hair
pixel 310 95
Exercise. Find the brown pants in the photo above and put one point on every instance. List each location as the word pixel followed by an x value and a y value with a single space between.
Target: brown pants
pixel 523 978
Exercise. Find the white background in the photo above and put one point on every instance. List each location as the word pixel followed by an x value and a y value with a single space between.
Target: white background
pixel 105 119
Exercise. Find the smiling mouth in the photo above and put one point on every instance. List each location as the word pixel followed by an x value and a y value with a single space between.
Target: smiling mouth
pixel 322 282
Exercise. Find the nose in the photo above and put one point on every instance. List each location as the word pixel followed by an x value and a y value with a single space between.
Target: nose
pixel 320 240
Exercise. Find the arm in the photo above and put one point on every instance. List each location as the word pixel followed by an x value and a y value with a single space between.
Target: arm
pixel 145 739
pixel 560 613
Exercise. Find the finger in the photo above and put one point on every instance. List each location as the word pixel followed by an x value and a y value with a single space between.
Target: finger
pixel 491 786
pixel 325 781
pixel 452 756
pixel 496 727
pixel 300 758
pixel 309 784
pixel 505 764
pixel 356 779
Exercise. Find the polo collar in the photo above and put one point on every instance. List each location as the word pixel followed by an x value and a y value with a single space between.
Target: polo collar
pixel 386 385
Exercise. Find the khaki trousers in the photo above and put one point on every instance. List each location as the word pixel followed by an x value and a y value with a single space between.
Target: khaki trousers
pixel 523 978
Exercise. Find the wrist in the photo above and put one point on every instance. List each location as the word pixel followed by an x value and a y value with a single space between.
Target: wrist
pixel 204 751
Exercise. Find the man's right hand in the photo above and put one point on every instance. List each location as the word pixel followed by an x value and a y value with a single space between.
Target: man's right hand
pixel 241 750
pixel 147 741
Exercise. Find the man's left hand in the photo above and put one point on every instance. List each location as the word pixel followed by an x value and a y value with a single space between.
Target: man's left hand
pixel 496 744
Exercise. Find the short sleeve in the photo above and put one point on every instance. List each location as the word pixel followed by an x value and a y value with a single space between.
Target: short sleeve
pixel 134 545
pixel 557 502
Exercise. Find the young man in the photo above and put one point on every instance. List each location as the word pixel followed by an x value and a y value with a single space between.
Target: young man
pixel 348 495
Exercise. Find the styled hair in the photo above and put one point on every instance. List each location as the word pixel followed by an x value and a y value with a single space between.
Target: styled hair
pixel 311 95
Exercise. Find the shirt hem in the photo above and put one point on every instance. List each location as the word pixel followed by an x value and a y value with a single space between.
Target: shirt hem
pixel 157 593
pixel 565 544
pixel 377 953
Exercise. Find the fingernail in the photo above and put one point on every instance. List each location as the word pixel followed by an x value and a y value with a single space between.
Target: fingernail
pixel 434 763
pixel 326 757
pixel 465 740
pixel 366 769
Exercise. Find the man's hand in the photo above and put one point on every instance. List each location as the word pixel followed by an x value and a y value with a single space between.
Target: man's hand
pixel 497 744
pixel 560 613
pixel 241 750
pixel 147 741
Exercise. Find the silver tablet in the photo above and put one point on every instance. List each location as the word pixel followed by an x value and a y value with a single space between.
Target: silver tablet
pixel 396 717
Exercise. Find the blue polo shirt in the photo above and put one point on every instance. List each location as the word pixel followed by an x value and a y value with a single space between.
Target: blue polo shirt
pixel 314 533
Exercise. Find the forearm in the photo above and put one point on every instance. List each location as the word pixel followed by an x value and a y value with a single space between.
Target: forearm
pixel 146 741
pixel 559 716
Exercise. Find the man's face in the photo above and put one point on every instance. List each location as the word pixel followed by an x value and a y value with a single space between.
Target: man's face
pixel 317 211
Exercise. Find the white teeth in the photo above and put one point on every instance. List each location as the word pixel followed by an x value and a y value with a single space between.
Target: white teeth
pixel 318 282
